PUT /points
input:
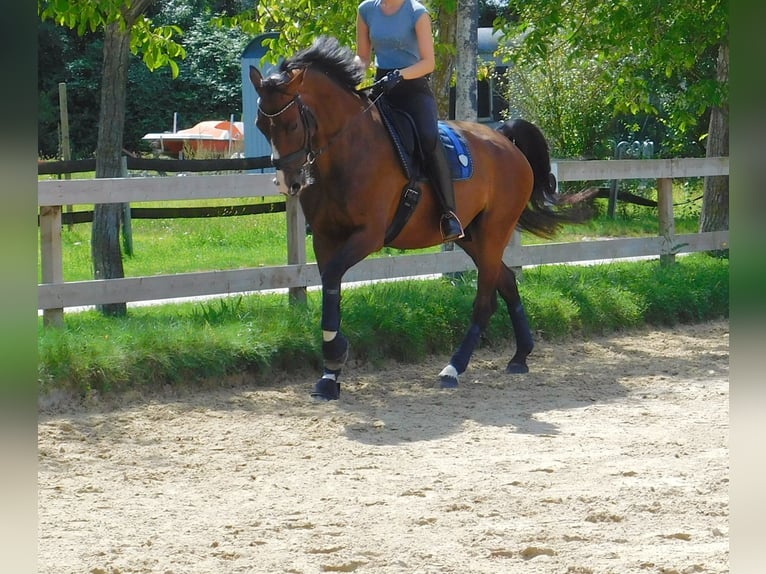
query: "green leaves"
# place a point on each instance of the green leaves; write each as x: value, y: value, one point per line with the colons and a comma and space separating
x: 298, y: 21
x: 658, y: 57
x: 155, y: 44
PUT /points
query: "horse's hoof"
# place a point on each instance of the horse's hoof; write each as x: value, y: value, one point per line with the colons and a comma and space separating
x: 448, y: 377
x: 447, y: 382
x: 516, y: 368
x: 326, y: 390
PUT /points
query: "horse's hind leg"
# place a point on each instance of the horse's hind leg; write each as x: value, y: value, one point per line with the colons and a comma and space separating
x: 484, y: 306
x: 509, y: 291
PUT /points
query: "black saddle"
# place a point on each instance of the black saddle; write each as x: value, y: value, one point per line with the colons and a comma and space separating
x: 406, y: 142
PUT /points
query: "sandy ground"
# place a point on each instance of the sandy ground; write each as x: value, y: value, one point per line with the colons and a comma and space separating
x: 610, y: 456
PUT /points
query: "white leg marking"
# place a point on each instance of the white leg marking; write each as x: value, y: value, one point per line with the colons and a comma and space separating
x: 449, y: 371
x: 329, y: 335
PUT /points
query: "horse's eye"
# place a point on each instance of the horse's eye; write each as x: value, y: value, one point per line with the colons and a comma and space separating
x: 292, y: 127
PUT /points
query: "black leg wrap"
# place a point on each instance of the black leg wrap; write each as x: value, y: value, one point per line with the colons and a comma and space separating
x: 335, y: 352
x: 524, y: 341
x: 330, y: 309
x: 463, y: 354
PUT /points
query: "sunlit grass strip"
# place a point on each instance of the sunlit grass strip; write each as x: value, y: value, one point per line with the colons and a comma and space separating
x: 261, y: 335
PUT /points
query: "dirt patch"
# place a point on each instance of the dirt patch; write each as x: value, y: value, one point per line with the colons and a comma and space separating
x: 610, y: 456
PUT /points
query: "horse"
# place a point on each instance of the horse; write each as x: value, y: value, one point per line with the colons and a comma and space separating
x: 330, y: 147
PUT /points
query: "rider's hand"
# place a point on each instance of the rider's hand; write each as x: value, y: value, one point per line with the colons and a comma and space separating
x: 390, y: 80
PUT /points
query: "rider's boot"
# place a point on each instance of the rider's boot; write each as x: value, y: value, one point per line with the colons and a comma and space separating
x: 441, y: 181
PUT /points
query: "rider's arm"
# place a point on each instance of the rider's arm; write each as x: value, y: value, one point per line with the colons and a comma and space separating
x: 427, y: 61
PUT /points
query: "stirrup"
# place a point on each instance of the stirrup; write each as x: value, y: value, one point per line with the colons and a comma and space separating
x: 450, y: 227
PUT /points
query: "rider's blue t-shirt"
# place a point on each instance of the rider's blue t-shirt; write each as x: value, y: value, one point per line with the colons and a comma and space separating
x: 393, y: 37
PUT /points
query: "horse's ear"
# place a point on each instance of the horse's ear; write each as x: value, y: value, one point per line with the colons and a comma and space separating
x: 297, y: 79
x: 255, y: 77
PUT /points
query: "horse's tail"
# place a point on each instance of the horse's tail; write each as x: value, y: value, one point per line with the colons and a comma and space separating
x: 544, y: 214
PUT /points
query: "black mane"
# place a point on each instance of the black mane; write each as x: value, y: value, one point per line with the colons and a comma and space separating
x: 329, y: 57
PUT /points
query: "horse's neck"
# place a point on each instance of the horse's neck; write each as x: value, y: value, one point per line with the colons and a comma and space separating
x: 341, y: 113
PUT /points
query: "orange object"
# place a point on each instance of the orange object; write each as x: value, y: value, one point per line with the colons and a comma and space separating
x: 220, y: 136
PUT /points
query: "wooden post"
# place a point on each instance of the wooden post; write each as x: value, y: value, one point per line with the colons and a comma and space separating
x: 515, y: 245
x: 51, y: 258
x: 667, y: 222
x: 296, y: 243
x: 127, y: 223
x: 66, y: 152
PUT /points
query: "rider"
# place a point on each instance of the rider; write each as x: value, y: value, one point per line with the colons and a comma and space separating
x: 399, y: 32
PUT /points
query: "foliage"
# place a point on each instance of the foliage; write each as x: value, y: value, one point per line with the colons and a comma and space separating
x: 207, y: 84
x: 155, y: 44
x: 656, y: 58
x: 592, y: 72
x: 298, y: 22
x: 259, y: 335
x: 566, y: 101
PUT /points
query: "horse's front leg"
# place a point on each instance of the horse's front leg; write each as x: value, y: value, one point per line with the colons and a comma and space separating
x: 334, y: 344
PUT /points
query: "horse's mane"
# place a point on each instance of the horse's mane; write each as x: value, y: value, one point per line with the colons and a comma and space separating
x: 326, y: 55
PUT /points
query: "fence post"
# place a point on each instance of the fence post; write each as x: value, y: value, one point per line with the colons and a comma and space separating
x: 667, y: 222
x: 515, y: 248
x: 296, y: 243
x: 66, y: 153
x: 127, y: 222
x: 51, y: 258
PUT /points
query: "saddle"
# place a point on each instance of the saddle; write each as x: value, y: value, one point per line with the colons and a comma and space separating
x: 406, y: 141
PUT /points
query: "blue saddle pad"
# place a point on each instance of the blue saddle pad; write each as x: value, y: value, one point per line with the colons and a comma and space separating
x: 458, y: 154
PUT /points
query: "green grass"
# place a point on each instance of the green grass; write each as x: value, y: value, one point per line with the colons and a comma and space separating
x: 262, y: 334
x: 259, y: 335
x: 170, y: 246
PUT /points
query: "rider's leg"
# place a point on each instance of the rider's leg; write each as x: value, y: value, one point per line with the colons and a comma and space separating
x: 441, y: 180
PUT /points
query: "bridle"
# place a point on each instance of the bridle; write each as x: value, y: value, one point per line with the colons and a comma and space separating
x: 306, y: 153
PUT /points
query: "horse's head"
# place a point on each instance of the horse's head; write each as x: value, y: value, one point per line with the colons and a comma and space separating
x: 285, y: 119
x: 288, y: 124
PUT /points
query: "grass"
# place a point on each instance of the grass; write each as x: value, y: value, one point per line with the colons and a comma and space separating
x: 259, y: 335
x: 168, y: 246
x: 262, y: 334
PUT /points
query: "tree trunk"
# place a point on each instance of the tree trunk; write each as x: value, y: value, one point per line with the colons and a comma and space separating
x: 715, y: 203
x: 467, y: 52
x: 105, y: 235
x: 445, y: 58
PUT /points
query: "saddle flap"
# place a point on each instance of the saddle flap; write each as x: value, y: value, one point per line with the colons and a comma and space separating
x: 401, y: 129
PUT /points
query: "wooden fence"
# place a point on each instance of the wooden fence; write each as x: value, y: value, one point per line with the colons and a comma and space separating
x: 54, y: 294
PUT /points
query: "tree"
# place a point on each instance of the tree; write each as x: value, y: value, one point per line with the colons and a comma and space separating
x: 208, y: 84
x: 466, y: 65
x: 658, y: 58
x: 565, y: 101
x: 715, y: 202
x: 300, y: 21
x: 125, y: 29
x: 445, y: 47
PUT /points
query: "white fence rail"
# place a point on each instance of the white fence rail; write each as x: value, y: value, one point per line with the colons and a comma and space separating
x: 54, y: 294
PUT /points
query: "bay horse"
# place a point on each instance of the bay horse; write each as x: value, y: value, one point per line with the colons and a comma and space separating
x: 331, y: 148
